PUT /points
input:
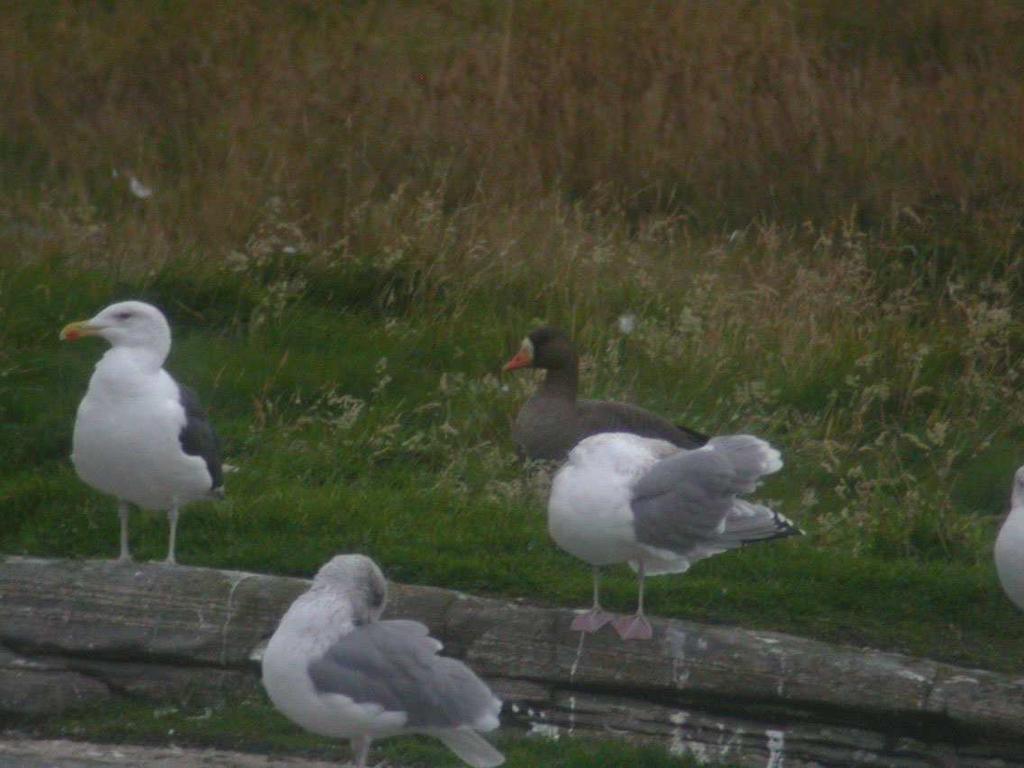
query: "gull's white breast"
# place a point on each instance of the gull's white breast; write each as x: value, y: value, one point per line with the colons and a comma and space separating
x: 126, y: 438
x: 1009, y: 556
x: 589, y: 513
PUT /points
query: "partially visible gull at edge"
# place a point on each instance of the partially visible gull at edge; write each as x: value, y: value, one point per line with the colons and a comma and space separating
x: 139, y: 435
x: 335, y: 669
x: 1009, y: 550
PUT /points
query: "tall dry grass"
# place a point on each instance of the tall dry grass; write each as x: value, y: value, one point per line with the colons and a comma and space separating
x: 908, y: 115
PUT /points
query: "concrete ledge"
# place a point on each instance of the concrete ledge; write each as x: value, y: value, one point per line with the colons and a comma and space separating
x: 78, y: 631
x: 18, y: 753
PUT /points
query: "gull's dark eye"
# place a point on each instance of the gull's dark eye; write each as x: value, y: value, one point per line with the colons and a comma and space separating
x: 123, y: 315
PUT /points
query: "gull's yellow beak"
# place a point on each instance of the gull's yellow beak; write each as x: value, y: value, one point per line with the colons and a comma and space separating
x: 77, y: 330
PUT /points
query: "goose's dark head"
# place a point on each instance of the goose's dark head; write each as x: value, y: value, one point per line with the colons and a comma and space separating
x: 548, y: 348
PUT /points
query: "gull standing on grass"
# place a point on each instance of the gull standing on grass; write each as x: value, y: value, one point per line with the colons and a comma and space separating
x: 622, y: 498
x: 139, y: 435
x: 335, y: 669
x: 1009, y: 551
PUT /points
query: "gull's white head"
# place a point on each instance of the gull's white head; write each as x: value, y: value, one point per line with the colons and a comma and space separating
x: 360, y: 580
x: 1017, y: 497
x: 126, y: 324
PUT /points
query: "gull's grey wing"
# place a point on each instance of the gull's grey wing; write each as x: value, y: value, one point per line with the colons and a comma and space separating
x: 687, y: 503
x: 197, y: 437
x: 681, y: 501
x: 395, y: 664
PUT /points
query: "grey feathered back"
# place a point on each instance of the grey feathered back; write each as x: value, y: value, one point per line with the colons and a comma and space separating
x: 596, y: 416
x: 395, y: 664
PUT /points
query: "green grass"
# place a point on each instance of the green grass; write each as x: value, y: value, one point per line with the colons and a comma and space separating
x: 387, y: 433
x: 252, y: 725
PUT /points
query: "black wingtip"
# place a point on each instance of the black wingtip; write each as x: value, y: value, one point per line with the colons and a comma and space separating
x: 786, y: 527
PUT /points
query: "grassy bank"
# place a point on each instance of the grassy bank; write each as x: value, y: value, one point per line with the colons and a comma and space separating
x: 385, y: 430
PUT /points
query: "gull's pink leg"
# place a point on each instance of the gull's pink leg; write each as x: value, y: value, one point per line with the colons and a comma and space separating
x: 122, y: 512
x: 636, y: 627
x: 595, y: 618
x: 360, y: 751
x: 172, y: 519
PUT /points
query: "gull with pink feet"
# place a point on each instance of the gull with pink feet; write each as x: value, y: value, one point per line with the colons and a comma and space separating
x: 622, y: 498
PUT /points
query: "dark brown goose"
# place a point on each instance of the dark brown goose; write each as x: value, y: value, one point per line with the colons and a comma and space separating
x: 553, y: 421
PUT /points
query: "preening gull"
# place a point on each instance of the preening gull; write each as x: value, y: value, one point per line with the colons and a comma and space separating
x: 139, y: 435
x: 335, y: 669
x: 1009, y: 551
x: 552, y: 421
x: 624, y: 498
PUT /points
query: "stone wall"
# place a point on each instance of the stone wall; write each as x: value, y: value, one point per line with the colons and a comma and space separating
x: 73, y: 632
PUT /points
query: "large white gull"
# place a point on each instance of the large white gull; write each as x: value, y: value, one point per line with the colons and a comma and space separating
x: 622, y: 498
x: 335, y: 669
x: 1009, y: 550
x: 139, y: 435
